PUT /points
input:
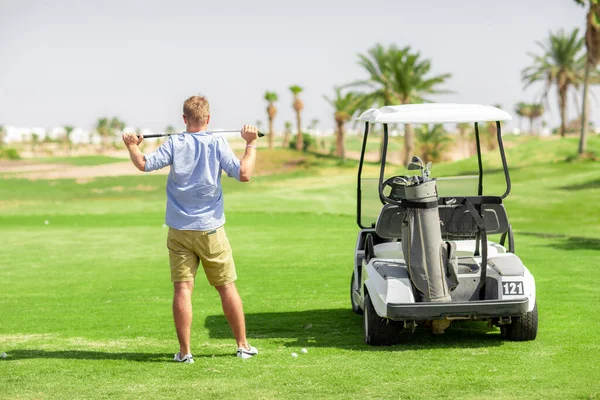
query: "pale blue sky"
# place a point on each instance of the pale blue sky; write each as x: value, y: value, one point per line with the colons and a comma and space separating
x: 71, y: 62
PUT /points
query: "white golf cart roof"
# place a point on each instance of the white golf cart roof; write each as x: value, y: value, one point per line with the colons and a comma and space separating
x: 434, y: 113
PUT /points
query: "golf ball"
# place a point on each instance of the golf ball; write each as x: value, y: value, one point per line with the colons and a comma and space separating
x: 303, y: 351
x: 3, y: 355
x: 46, y: 222
x: 294, y: 355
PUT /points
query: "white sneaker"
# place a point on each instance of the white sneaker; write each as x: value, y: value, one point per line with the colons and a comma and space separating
x: 188, y: 358
x: 246, y: 353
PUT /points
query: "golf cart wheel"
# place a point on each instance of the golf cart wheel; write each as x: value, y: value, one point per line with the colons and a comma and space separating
x: 522, y: 328
x: 379, y: 331
x: 355, y: 307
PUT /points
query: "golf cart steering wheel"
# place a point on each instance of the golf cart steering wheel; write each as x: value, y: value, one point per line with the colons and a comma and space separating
x: 397, y: 185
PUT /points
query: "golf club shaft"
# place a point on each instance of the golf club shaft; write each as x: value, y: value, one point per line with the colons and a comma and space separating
x: 155, y: 135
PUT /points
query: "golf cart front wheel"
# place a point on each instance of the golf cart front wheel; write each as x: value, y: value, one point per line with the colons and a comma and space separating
x: 522, y: 328
x: 353, y: 288
x: 379, y: 331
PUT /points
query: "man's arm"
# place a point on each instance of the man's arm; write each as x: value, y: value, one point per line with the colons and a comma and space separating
x: 250, y: 135
x: 132, y: 141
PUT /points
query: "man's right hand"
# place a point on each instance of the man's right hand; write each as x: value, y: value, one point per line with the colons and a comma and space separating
x: 250, y: 134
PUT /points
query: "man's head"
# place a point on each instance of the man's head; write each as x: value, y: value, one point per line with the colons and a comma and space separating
x: 196, y: 112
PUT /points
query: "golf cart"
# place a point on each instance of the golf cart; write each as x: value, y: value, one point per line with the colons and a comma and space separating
x: 423, y: 255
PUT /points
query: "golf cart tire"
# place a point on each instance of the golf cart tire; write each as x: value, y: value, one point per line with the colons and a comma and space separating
x: 522, y: 328
x: 379, y: 331
x: 355, y: 307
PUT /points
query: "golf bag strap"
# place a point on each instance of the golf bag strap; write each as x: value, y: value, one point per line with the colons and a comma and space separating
x: 484, y: 250
x: 418, y: 204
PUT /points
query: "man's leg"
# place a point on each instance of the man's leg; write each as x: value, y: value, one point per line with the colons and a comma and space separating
x: 234, y: 312
x: 182, y: 314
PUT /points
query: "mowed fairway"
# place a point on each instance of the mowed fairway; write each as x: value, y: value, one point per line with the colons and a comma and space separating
x: 85, y: 300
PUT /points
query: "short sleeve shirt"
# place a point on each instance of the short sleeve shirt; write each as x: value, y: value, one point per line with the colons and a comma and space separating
x: 194, y: 193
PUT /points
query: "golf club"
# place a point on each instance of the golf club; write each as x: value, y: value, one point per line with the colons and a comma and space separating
x: 428, y: 171
x: 155, y: 135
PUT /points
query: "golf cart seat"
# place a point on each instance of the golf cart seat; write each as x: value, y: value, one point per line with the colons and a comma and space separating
x: 389, y: 222
x: 389, y: 226
x: 457, y: 222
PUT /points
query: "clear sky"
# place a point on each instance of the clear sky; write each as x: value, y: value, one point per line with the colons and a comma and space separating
x: 68, y: 62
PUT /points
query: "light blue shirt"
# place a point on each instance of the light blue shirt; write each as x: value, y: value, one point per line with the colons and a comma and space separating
x: 194, y: 194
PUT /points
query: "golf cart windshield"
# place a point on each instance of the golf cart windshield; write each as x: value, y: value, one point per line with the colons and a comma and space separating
x: 449, y: 186
x: 382, y: 144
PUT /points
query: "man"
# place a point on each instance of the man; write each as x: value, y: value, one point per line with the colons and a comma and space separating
x: 195, y: 215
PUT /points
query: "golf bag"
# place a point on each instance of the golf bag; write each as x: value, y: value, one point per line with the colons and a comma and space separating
x: 431, y: 262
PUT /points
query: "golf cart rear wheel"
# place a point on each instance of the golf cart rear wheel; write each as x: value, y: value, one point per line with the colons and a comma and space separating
x: 379, y: 331
x: 522, y: 328
x: 353, y: 287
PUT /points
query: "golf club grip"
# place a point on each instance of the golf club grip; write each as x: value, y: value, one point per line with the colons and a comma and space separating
x: 155, y: 135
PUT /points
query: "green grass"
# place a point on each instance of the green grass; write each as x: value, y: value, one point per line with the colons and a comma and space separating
x: 82, y: 160
x: 86, y: 300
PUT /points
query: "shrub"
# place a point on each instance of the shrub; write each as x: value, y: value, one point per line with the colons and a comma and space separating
x: 307, y: 142
x: 9, y: 154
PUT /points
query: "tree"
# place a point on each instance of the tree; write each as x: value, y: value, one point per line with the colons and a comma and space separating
x: 116, y: 126
x: 271, y: 98
x: 103, y: 130
x: 521, y: 109
x: 560, y: 64
x: 68, y: 130
x: 465, y: 131
x: 35, y: 140
x: 536, y: 111
x: 287, y: 133
x: 298, y: 107
x: 592, y: 43
x: 433, y: 141
x: 399, y: 76
x: 463, y: 128
x: 527, y: 113
x: 344, y: 105
x: 170, y: 129
x: 2, y: 135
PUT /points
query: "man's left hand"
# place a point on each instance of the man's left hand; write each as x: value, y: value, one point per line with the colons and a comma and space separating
x: 130, y: 138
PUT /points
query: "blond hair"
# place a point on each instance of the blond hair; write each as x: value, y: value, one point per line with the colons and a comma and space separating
x: 196, y: 109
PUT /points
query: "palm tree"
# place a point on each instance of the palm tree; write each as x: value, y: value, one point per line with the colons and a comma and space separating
x: 288, y: 131
x: 103, y: 130
x: 399, y: 76
x: 560, y: 64
x: 271, y: 98
x: 537, y: 110
x: 520, y: 109
x: 592, y: 43
x: 526, y: 111
x: 298, y: 107
x: 68, y: 130
x: 116, y: 126
x: 433, y: 141
x: 464, y: 131
x: 344, y: 107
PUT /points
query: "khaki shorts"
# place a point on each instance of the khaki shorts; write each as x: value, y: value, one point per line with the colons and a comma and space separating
x: 188, y: 248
